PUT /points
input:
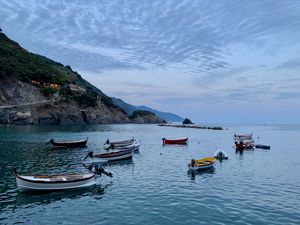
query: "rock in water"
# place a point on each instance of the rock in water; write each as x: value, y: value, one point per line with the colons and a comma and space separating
x: 187, y: 121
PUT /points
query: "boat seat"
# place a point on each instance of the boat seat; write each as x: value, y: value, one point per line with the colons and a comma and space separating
x: 57, y: 179
x: 42, y: 176
x: 74, y: 177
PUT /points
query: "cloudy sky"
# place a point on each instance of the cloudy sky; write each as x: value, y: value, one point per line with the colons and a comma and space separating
x: 212, y: 61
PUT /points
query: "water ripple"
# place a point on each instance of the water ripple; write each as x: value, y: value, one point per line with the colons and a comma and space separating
x: 154, y: 187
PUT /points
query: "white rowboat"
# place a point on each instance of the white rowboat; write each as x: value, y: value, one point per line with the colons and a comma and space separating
x: 112, y: 145
x: 118, y: 155
x: 56, y: 182
x: 134, y: 147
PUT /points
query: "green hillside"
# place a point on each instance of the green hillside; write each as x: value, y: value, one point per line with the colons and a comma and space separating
x: 18, y: 63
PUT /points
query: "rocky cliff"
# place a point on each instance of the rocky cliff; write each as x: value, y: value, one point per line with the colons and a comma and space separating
x: 140, y: 116
x: 23, y: 103
x: 38, y: 90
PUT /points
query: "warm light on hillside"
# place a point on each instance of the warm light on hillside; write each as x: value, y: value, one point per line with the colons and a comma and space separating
x: 49, y: 85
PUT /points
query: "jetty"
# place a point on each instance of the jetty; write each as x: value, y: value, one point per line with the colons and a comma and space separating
x: 189, y: 126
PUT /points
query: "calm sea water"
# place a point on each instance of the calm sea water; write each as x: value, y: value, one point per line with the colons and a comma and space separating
x: 256, y: 187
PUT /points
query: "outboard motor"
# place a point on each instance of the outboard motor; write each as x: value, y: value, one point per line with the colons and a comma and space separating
x: 220, y: 156
x: 163, y: 139
x: 193, y: 162
x: 90, y: 154
x: 100, y: 171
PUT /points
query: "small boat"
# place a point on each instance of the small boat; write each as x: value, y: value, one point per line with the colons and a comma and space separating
x: 220, y: 154
x: 243, y: 141
x: 200, y: 164
x: 57, y: 182
x: 69, y: 144
x: 175, y: 141
x: 110, y: 145
x: 135, y: 147
x: 263, y: 146
x: 118, y: 155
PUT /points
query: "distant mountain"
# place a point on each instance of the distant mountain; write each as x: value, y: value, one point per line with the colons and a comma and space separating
x: 129, y: 109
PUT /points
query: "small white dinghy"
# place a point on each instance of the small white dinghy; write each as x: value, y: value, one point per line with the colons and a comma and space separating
x: 134, y: 147
x: 57, y: 182
x: 220, y: 154
x: 117, y: 155
x: 111, y: 145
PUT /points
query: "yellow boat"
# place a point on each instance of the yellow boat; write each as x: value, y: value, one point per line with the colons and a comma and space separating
x: 203, y: 163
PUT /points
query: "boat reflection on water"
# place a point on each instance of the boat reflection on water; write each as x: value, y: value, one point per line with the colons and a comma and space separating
x: 120, y: 162
x: 95, y: 164
x: 193, y: 173
x: 32, y: 199
x: 241, y: 152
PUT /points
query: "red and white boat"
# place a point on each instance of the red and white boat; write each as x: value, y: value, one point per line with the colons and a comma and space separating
x: 182, y: 141
x: 243, y: 141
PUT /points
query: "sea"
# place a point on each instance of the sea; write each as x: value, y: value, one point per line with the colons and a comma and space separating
x: 154, y: 187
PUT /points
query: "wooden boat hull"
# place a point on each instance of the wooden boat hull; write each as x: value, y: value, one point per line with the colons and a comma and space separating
x: 201, y: 168
x: 244, y: 146
x: 71, y: 144
x: 202, y: 164
x: 119, y: 155
x: 263, y: 146
x: 56, y: 183
x: 175, y: 141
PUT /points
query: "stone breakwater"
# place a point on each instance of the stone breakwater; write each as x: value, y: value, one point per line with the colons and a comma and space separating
x: 190, y: 126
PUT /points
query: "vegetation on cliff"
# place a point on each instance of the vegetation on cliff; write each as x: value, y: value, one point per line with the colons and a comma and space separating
x: 138, y: 113
x: 142, y: 116
x: 50, y: 76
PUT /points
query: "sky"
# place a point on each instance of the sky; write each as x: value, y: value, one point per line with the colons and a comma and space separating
x: 211, y: 61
